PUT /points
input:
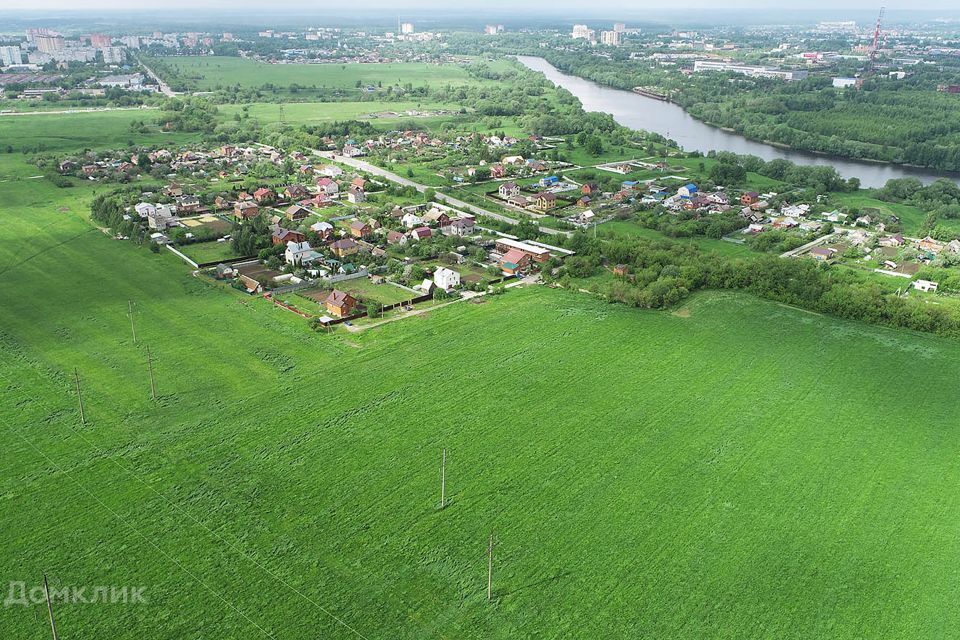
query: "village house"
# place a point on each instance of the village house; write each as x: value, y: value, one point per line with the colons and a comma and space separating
x: 546, y: 201
x: 896, y: 240
x: 188, y: 204
x: 263, y: 196
x: 538, y: 254
x: 330, y: 170
x: 245, y: 210
x: 784, y: 223
x: 822, y: 254
x: 749, y: 198
x: 513, y: 262
x: 356, y: 196
x: 446, y: 279
x: 340, y: 303
x: 162, y: 217
x: 344, y: 247
x: 360, y: 229
x: 296, y: 213
x: 282, y: 236
x: 328, y: 186
x: 687, y: 190
x: 421, y: 233
x: 295, y: 192
x: 460, y: 227
x: 931, y: 245
x: 300, y: 253
x: 395, y: 237
x: 436, y: 217
x: 925, y: 286
x: 411, y: 220
x: 549, y: 181
x: 509, y: 189
x: 322, y: 229
x: 145, y: 209
x: 590, y: 189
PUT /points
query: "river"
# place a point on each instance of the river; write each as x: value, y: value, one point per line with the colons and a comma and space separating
x: 640, y: 112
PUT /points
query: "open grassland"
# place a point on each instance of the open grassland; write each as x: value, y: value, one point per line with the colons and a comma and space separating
x: 319, y: 112
x: 734, y: 469
x: 91, y: 130
x: 205, y: 73
x: 629, y: 228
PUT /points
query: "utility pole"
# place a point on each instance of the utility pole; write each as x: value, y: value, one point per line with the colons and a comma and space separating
x: 76, y: 379
x: 153, y: 382
x: 490, y: 546
x: 46, y: 593
x: 443, y: 479
x: 133, y: 328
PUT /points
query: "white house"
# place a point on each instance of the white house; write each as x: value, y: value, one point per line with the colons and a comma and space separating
x: 299, y: 253
x: 411, y: 220
x: 163, y: 216
x: 146, y: 209
x: 925, y: 285
x: 446, y: 279
x: 331, y: 171
x: 509, y: 189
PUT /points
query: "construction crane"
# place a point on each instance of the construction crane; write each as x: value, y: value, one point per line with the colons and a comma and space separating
x: 871, y: 65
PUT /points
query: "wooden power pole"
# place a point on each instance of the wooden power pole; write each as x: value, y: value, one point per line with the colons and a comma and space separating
x: 76, y: 379
x: 46, y: 592
x: 490, y: 569
x: 443, y: 479
x: 133, y: 329
x: 153, y: 382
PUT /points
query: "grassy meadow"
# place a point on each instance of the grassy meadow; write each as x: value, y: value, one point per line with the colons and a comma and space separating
x: 90, y: 130
x: 205, y: 73
x: 735, y: 468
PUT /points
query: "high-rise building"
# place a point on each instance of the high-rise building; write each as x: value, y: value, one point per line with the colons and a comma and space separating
x: 406, y: 28
x: 583, y: 32
x: 611, y: 38
x: 49, y: 43
x: 619, y: 27
x: 99, y: 41
x: 114, y: 55
x: 10, y: 56
x: 43, y: 31
x: 131, y: 42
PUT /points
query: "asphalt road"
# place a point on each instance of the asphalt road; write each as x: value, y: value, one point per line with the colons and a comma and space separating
x: 442, y: 197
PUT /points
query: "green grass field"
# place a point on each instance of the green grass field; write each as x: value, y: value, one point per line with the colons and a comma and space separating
x: 629, y: 228
x: 76, y: 131
x: 203, y: 252
x: 209, y: 72
x: 734, y: 469
x: 316, y: 112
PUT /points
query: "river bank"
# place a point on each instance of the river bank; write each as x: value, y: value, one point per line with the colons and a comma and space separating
x: 637, y: 111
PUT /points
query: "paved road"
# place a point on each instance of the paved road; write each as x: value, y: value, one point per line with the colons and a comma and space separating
x: 63, y: 111
x: 442, y: 197
x: 164, y: 87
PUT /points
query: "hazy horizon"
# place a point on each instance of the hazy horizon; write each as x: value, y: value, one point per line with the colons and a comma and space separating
x: 635, y: 8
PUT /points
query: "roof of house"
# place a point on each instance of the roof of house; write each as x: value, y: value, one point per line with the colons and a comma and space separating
x: 344, y: 243
x: 340, y: 298
x: 359, y: 225
x: 513, y: 257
